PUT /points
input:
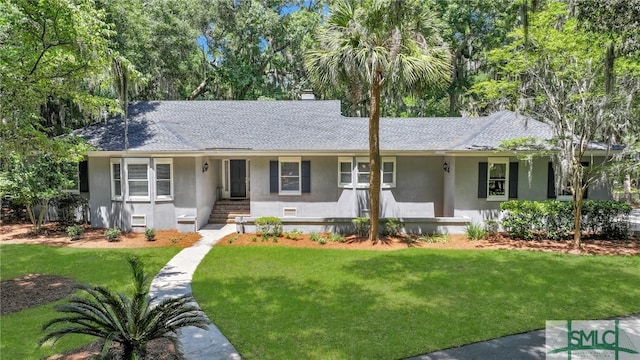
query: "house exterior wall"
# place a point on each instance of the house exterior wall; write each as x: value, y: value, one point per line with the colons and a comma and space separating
x: 417, y: 192
x: 467, y: 203
x: 206, y: 188
x: 159, y: 214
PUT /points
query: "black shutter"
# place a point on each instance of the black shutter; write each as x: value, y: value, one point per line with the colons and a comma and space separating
x: 273, y: 176
x: 306, y: 176
x: 83, y: 174
x: 482, y: 180
x: 513, y: 180
x: 551, y: 182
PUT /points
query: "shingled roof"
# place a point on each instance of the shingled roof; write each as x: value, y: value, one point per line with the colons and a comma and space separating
x: 296, y: 126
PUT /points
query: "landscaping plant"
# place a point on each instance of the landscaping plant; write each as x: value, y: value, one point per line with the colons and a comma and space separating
x: 392, y: 226
x: 75, y: 232
x: 475, y: 231
x: 112, y: 234
x: 129, y: 321
x: 269, y: 226
x: 150, y: 234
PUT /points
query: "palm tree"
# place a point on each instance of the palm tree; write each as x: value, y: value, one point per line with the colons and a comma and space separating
x: 130, y: 322
x: 376, y: 45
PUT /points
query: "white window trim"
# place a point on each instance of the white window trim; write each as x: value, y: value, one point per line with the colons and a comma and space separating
x: 156, y: 162
x: 498, y: 160
x: 137, y: 161
x: 383, y: 185
x: 113, y: 185
x: 290, y: 159
x: 356, y: 173
x: 391, y: 159
x: 345, y: 160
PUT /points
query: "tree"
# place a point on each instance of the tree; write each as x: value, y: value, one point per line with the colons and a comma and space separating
x: 130, y: 321
x: 255, y: 48
x: 376, y: 45
x: 556, y: 73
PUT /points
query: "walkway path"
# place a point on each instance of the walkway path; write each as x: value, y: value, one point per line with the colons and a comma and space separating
x: 175, y: 280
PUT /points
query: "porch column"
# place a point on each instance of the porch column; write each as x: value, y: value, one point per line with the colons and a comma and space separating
x: 449, y: 185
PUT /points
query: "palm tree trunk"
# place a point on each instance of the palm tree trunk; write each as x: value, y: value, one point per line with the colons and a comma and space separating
x: 374, y: 157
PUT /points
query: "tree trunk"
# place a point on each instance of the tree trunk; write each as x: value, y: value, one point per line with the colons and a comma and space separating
x: 578, y: 193
x: 374, y: 157
x: 627, y: 188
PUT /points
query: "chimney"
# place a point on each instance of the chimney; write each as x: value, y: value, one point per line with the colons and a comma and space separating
x: 307, y: 95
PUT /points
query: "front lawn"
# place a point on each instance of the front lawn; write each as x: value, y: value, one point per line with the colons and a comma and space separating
x: 292, y: 303
x: 20, y: 331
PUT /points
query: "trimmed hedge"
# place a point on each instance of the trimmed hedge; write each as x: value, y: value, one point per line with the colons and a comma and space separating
x: 553, y: 219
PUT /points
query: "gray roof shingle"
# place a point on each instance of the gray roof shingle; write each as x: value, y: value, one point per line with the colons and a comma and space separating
x: 296, y: 126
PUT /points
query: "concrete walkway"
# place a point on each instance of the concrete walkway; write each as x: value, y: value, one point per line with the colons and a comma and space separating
x: 175, y: 280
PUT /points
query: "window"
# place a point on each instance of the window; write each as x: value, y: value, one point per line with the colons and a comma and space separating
x: 289, y: 174
x: 498, y: 181
x: 345, y: 172
x: 164, y: 179
x: 116, y: 179
x: 387, y: 172
x: 363, y: 172
x: 138, y: 179
x: 565, y: 193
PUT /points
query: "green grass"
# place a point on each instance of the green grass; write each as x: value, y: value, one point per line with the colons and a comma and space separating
x: 290, y: 303
x: 21, y: 331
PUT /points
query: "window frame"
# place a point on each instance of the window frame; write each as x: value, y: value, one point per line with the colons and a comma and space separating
x: 383, y: 160
x: 137, y: 161
x: 342, y: 160
x: 163, y: 161
x: 282, y: 160
x: 114, y: 196
x: 388, y: 159
x: 498, y: 160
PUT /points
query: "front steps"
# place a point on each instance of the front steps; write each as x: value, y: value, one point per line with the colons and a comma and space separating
x: 225, y: 211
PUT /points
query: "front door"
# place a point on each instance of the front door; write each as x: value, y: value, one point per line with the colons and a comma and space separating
x: 238, y: 178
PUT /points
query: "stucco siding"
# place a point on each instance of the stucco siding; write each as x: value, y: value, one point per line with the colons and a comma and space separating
x: 206, y: 187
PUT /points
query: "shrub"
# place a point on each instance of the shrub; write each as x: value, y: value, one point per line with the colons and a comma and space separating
x: 314, y: 236
x: 392, y: 226
x: 67, y: 205
x: 130, y: 321
x: 362, y: 226
x: 75, y: 232
x: 523, y: 219
x: 335, y: 237
x: 434, y: 238
x: 322, y: 241
x: 112, y: 234
x: 554, y: 219
x: 293, y: 234
x: 269, y: 225
x: 491, y: 226
x: 150, y: 234
x: 475, y: 231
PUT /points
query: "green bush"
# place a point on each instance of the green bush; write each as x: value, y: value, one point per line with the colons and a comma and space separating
x: 293, y: 234
x: 523, y: 219
x: 75, y: 232
x: 269, y: 226
x: 362, y: 226
x: 335, y: 237
x: 475, y: 231
x: 392, y: 226
x: 67, y: 205
x: 112, y: 234
x: 554, y: 219
x: 150, y: 234
x: 314, y: 236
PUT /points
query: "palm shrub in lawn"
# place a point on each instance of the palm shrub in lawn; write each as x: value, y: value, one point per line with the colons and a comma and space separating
x: 130, y: 321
